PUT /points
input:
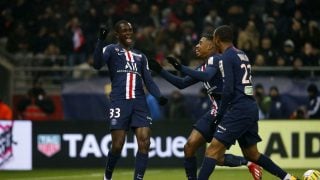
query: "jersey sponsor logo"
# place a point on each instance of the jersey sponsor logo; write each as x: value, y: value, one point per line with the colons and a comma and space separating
x: 88, y: 145
x: 131, y: 66
x: 49, y: 144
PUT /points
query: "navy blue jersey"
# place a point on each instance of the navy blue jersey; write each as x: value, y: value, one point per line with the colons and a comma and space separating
x: 128, y: 70
x: 236, y: 72
x: 213, y: 80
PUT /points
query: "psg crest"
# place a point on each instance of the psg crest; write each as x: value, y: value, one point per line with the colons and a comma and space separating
x: 49, y: 144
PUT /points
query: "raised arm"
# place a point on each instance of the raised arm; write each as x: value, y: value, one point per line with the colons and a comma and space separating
x: 99, y: 49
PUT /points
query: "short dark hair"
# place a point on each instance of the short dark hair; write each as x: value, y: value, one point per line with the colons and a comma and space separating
x: 208, y: 34
x: 224, y: 33
x: 117, y: 25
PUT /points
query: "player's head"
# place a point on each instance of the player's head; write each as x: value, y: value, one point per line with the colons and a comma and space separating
x: 205, y: 46
x: 124, y: 32
x: 312, y: 90
x: 223, y: 34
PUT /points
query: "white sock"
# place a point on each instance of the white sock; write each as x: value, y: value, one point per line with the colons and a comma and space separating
x: 287, y: 177
x: 249, y: 163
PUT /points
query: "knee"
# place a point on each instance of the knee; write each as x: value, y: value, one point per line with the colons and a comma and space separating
x: 117, y: 147
x: 188, y: 149
x: 144, y: 144
x: 215, y: 152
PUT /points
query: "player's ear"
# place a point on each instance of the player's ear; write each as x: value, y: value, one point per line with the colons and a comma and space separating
x: 210, y: 45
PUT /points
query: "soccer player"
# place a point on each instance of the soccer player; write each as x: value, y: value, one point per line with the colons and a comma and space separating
x: 202, y: 132
x: 128, y: 107
x: 238, y: 112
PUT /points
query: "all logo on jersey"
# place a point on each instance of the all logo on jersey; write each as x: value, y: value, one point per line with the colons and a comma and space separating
x: 49, y: 144
x: 131, y: 66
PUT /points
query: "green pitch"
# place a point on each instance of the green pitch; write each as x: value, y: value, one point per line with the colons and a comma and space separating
x: 126, y: 174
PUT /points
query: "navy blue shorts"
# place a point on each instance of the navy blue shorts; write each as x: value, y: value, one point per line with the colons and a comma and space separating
x: 239, y: 123
x: 125, y: 114
x: 204, y: 126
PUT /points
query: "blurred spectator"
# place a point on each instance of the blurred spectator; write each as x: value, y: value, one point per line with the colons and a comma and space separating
x: 296, y: 34
x: 267, y: 51
x: 5, y: 111
x: 270, y: 30
x: 288, y: 53
x: 263, y: 101
x: 77, y: 55
x: 213, y: 19
x: 309, y: 55
x: 259, y: 60
x: 36, y: 105
x: 314, y: 102
x: 278, y: 108
x: 297, y: 64
x: 18, y: 40
x: 249, y: 35
x: 172, y: 26
x: 177, y: 108
x: 313, y: 33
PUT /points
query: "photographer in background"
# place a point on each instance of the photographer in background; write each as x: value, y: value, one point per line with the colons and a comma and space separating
x: 36, y: 106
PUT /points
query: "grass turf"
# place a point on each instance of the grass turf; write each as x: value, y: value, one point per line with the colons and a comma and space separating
x: 125, y: 174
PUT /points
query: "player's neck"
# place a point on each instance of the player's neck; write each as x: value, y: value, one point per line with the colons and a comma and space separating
x: 125, y: 47
x: 225, y: 46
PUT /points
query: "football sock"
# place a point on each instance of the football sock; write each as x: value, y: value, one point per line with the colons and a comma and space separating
x: 270, y: 166
x: 140, y: 165
x: 190, y: 166
x: 234, y: 161
x: 111, y: 163
x: 207, y: 168
x: 288, y: 176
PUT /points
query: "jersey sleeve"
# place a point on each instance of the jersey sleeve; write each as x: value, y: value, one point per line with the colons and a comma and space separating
x: 206, y: 75
x: 228, y: 85
x: 147, y: 78
x: 178, y: 82
x: 101, y: 54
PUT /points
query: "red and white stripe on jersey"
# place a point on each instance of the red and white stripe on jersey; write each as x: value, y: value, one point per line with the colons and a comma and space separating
x: 131, y: 79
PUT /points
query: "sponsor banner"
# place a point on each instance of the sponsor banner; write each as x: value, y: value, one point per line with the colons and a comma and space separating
x: 15, y: 145
x: 291, y: 144
x: 86, y: 144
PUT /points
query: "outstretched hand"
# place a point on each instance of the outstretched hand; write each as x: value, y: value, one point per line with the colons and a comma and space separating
x: 174, y: 62
x: 103, y: 32
x: 155, y: 66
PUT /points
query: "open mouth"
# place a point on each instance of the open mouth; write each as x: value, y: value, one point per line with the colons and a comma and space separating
x: 129, y: 39
x: 197, y: 51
